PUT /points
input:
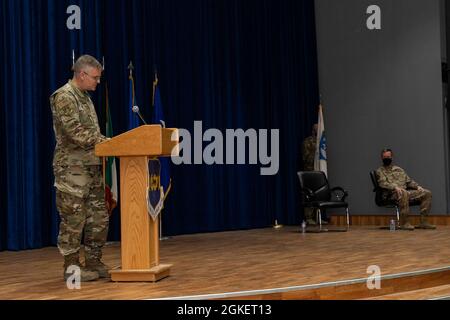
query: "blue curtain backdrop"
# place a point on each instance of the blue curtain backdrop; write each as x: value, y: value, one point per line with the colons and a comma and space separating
x: 230, y: 63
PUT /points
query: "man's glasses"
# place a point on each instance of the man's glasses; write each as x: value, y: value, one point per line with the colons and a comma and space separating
x: 97, y: 79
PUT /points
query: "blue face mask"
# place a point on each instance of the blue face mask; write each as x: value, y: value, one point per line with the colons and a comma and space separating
x: 387, y: 161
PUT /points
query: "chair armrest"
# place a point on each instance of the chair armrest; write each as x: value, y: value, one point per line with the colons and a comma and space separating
x: 309, y: 194
x: 341, y: 197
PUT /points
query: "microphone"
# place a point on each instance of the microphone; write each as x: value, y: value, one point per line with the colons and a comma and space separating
x: 136, y: 110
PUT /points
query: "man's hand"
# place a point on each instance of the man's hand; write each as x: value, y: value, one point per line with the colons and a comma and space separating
x: 110, y: 206
x: 399, y: 191
x: 109, y: 201
x: 419, y: 188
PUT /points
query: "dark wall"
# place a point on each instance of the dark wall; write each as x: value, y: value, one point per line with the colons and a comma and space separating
x: 382, y: 88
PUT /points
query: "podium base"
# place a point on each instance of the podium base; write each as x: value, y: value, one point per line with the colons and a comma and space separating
x: 141, y: 275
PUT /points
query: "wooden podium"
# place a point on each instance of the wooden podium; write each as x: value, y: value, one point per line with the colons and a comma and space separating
x: 140, y: 234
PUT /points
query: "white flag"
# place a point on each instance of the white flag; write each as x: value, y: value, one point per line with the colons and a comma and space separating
x: 320, y: 159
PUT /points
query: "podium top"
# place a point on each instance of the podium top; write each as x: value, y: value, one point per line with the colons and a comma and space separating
x: 146, y: 140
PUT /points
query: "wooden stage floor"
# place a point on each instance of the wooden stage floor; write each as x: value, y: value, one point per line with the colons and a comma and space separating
x: 227, y: 262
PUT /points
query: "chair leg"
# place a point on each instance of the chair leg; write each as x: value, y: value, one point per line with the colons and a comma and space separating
x: 398, y: 216
x: 319, y: 214
x: 348, y: 218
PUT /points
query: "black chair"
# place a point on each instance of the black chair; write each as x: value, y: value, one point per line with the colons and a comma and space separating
x: 383, y: 202
x: 316, y: 193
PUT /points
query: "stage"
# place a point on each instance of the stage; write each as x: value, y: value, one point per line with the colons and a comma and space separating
x: 256, y: 264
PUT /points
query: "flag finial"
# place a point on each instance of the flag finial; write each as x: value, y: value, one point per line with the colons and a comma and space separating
x: 131, y: 68
x: 155, y: 83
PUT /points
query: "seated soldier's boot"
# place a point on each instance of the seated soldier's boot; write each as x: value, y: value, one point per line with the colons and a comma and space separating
x: 98, y: 266
x: 310, y: 222
x: 405, y: 225
x: 73, y: 260
x: 424, y: 224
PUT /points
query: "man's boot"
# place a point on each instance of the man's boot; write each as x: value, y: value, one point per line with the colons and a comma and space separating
x: 309, y: 216
x: 405, y: 225
x: 424, y: 224
x: 73, y: 260
x: 95, y: 264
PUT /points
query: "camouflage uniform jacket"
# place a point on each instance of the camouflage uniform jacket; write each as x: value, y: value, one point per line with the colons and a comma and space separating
x: 76, y: 127
x: 309, y: 151
x: 392, y: 176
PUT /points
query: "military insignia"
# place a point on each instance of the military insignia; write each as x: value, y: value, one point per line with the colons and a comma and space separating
x: 323, y: 147
x: 155, y: 192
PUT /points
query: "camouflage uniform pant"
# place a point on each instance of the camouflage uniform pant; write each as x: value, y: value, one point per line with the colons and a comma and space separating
x: 310, y: 214
x: 80, y: 200
x: 406, y: 196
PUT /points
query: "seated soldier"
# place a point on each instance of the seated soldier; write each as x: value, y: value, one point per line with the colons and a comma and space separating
x: 401, y: 188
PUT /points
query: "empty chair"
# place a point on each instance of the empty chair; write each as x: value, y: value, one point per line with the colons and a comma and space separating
x: 316, y: 193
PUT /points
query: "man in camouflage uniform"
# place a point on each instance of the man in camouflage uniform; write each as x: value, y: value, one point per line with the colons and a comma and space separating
x: 308, y: 154
x: 401, y: 188
x: 309, y: 150
x: 80, y: 195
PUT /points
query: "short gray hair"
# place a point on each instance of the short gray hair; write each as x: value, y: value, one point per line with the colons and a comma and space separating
x: 84, y: 61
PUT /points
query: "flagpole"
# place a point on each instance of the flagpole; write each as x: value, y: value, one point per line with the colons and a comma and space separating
x: 161, y: 238
x: 155, y: 83
x: 166, y: 192
x: 131, y: 68
x: 104, y: 172
x: 104, y: 158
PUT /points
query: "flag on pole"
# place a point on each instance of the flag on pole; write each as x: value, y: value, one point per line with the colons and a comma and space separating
x: 111, y: 193
x: 158, y: 118
x: 133, y: 120
x: 320, y: 159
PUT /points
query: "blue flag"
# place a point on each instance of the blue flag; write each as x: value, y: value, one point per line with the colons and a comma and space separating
x: 158, y: 118
x: 133, y: 118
